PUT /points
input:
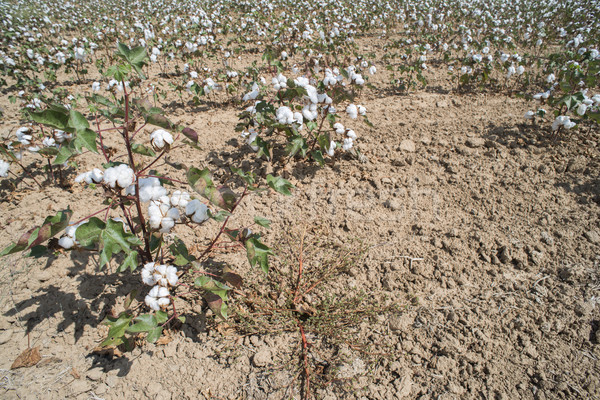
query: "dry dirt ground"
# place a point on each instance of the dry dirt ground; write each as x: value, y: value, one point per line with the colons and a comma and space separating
x: 483, y: 231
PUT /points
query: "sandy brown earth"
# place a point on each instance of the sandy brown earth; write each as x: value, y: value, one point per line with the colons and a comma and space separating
x: 485, y: 233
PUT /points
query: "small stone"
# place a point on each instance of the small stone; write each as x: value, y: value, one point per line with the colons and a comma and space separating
x: 475, y: 142
x: 400, y: 323
x: 153, y: 388
x: 112, y: 381
x: 592, y: 236
x: 504, y: 255
x: 95, y: 374
x: 80, y: 386
x: 408, y: 146
x: 262, y: 358
x: 441, y: 104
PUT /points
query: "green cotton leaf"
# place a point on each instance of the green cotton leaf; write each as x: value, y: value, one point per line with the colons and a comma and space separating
x: 263, y: 148
x: 143, y: 150
x: 131, y: 262
x: 211, y: 285
x: 64, y: 153
x: 180, y: 251
x: 35, y: 236
x: 154, y: 334
x: 324, y: 141
x: 258, y: 253
x: 77, y: 121
x: 219, y: 216
x: 136, y: 57
x: 201, y: 182
x: 130, y: 297
x: 85, y: 138
x: 114, y: 239
x: 265, y: 223
x: 311, y: 126
x: 48, y: 151
x: 144, y: 323
x: 117, y: 328
x: 317, y: 155
x: 159, y: 120
x: 52, y: 118
x: 161, y: 317
x: 279, y: 184
x: 297, y: 144
x: 88, y: 234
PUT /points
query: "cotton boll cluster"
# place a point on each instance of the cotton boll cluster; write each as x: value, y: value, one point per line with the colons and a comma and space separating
x: 161, y: 215
x: 160, y: 277
x: 121, y: 175
x: 94, y: 176
x: 149, y: 188
x: 564, y: 121
x: 159, y: 138
x: 279, y: 82
x: 23, y: 135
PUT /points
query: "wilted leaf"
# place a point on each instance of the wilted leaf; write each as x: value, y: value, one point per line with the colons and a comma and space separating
x: 202, y: 183
x: 28, y: 358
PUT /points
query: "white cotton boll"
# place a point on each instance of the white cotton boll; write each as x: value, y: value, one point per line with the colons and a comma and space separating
x: 311, y: 94
x: 152, y: 302
x: 160, y: 137
x: 352, y: 111
x: 95, y: 86
x: 120, y: 175
x: 4, y: 166
x: 33, y: 149
x: 66, y: 242
x: 351, y: 134
x: 310, y: 112
x: 347, y: 145
x: 171, y: 275
x: 179, y: 198
x: 581, y: 108
x: 520, y: 70
x: 163, y: 302
x: 339, y: 128
x: 301, y: 81
x: 362, y: 110
x: 284, y: 115
x: 148, y: 276
x: 529, y: 115
x: 330, y: 150
x: 23, y: 135
x: 197, y: 211
x: 163, y: 291
x: 551, y: 78
x: 298, y: 118
x: 372, y: 70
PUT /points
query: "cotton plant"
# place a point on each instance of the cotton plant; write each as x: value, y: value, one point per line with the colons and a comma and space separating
x: 304, y: 112
x: 139, y: 220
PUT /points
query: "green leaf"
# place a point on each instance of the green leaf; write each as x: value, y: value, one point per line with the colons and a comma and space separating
x: 143, y: 150
x: 64, y: 153
x: 114, y: 239
x: 258, y: 252
x: 279, y: 184
x: 180, y: 252
x: 201, y: 182
x: 118, y: 327
x: 144, y: 323
x: 318, y: 157
x: 85, y: 138
x: 131, y: 262
x: 297, y: 144
x: 52, y: 118
x: 262, y: 222
x: 88, y: 234
x: 36, y: 236
x: 77, y: 120
x: 161, y: 317
x: 154, y: 334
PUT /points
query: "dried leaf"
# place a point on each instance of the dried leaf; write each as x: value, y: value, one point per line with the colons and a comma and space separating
x: 28, y: 358
x: 164, y: 339
x: 74, y: 373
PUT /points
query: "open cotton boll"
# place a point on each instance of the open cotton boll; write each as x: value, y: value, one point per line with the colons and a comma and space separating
x: 352, y: 111
x: 310, y: 112
x: 529, y: 115
x: 95, y: 86
x: 311, y: 94
x: 362, y: 110
x: 148, y: 274
x: 4, y: 166
x: 372, y: 70
x: 121, y: 176
x: 339, y: 128
x: 347, y: 145
x: 284, y: 115
x: 180, y: 199
x: 94, y: 176
x: 150, y: 189
x: 197, y: 211
x: 23, y: 135
x: 351, y: 134
x: 331, y: 149
x: 157, y: 298
x: 66, y: 242
x: 160, y: 137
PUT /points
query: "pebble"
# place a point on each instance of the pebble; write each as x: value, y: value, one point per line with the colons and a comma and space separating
x: 592, y: 236
x: 262, y: 358
x: 546, y: 238
x: 80, y: 386
x: 475, y: 142
x: 95, y: 374
x: 408, y: 146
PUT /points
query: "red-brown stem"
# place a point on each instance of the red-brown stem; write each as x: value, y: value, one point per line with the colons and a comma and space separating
x: 153, y: 162
x: 305, y: 359
x: 300, y: 265
x: 100, y: 137
x: 139, y: 129
x: 148, y: 254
